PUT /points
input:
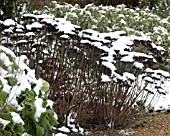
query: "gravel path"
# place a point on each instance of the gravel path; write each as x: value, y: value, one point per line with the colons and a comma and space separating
x: 155, y: 124
x: 158, y: 125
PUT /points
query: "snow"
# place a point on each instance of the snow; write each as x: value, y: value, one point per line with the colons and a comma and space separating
x: 4, y: 122
x: 19, y: 26
x: 39, y: 43
x: 28, y: 34
x: 29, y: 16
x: 149, y: 79
x: 23, y: 79
x: 119, y: 45
x: 9, y: 31
x: 21, y: 41
x: 5, y: 59
x: 75, y: 130
x: 50, y: 103
x: 100, y: 46
x: 49, y: 21
x: 16, y: 118
x: 140, y: 54
x: 140, y: 38
x: 129, y: 76
x: 1, y: 22
x: 3, y: 72
x: 122, y: 21
x: 156, y: 76
x: 159, y: 48
x: 9, y: 22
x: 162, y: 103
x: 66, y: 28
x: 109, y: 65
x: 45, y: 52
x: 128, y: 58
x: 64, y: 36
x: 138, y: 65
x: 1, y: 12
x: 71, y: 125
x: 85, y: 42
x: 149, y: 70
x: 163, y: 73
x: 64, y: 129
x: 105, y: 78
x: 55, y: 116
x: 39, y: 109
x: 7, y: 51
x: 19, y: 30
x: 34, y: 25
x: 15, y: 91
x: 25, y: 134
x: 45, y: 16
x: 81, y: 130
x: 60, y: 134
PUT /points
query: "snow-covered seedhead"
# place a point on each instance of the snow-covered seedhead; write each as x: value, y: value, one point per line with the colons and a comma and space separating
x: 24, y: 105
x: 109, y: 19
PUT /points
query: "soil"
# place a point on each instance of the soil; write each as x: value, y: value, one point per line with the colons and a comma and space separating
x: 158, y: 125
x: 154, y: 124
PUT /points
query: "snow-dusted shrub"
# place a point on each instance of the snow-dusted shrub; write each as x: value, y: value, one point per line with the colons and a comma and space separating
x: 107, y: 19
x: 82, y: 3
x: 101, y: 75
x: 11, y: 8
x: 161, y: 8
x: 24, y: 107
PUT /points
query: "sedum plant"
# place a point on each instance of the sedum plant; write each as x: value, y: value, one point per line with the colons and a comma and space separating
x: 161, y: 8
x: 93, y: 75
x: 141, y: 22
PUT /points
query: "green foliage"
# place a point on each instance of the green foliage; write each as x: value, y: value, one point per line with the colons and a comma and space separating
x: 159, y: 7
x: 27, y: 122
x: 82, y: 3
x: 7, y: 7
x: 11, y: 8
x: 11, y: 128
x: 45, y: 86
x: 3, y: 97
x: 11, y: 80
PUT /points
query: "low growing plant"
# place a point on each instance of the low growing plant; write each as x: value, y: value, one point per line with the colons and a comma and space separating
x: 24, y: 105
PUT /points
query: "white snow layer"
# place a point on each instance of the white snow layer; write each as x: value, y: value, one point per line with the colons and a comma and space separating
x: 105, y: 78
x: 9, y: 22
x: 16, y: 118
x: 60, y: 134
x: 64, y: 129
x: 39, y: 109
x: 4, y: 122
x: 138, y: 65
